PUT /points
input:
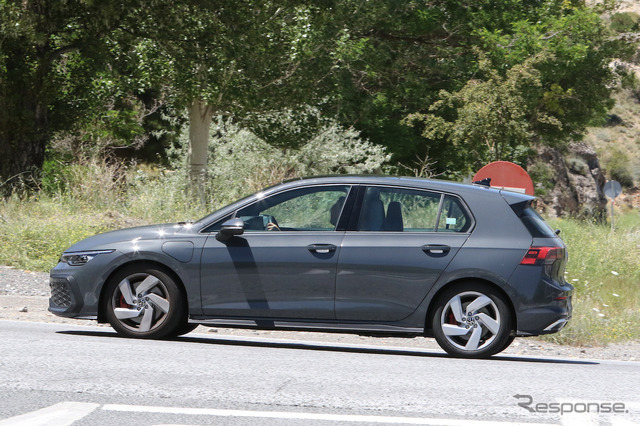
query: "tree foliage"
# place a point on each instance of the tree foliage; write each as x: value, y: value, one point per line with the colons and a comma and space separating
x: 461, y: 82
x: 253, y: 56
x: 58, y: 73
x: 485, y: 120
x: 479, y: 80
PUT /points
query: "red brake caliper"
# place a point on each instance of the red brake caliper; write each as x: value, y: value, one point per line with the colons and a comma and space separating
x: 122, y: 303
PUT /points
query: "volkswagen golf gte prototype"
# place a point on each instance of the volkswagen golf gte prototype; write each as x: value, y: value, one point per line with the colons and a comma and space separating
x: 469, y: 265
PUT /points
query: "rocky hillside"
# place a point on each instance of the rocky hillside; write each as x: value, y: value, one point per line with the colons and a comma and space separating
x: 570, y: 183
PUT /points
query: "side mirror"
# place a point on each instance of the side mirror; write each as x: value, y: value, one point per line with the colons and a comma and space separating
x: 229, y: 229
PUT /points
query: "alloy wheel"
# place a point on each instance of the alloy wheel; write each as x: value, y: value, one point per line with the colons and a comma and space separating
x: 470, y: 321
x: 141, y: 302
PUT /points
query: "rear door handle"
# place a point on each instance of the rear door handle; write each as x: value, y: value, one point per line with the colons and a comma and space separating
x: 436, y: 248
x: 321, y: 248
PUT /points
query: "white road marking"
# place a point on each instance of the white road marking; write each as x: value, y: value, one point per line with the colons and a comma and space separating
x: 286, y: 415
x: 66, y: 413
x: 61, y: 414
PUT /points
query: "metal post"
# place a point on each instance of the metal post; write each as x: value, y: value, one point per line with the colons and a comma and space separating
x: 612, y: 203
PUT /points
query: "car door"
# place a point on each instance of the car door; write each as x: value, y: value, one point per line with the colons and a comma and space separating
x: 402, y: 242
x: 284, y: 264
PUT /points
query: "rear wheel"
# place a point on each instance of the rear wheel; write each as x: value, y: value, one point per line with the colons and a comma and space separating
x: 145, y: 302
x: 472, y: 320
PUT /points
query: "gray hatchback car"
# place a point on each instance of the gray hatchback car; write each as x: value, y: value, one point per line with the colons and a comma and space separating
x: 470, y: 265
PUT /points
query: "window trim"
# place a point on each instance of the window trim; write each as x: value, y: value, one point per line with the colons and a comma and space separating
x: 361, y: 190
x: 346, y: 207
x: 463, y: 207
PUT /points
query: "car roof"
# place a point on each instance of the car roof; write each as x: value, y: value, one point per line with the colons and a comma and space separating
x: 417, y: 182
x: 373, y: 179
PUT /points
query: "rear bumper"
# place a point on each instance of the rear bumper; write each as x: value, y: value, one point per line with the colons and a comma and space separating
x: 542, y: 321
x: 549, y: 318
x: 542, y: 304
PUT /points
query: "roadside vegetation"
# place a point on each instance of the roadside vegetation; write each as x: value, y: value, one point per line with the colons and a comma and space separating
x: 603, y: 267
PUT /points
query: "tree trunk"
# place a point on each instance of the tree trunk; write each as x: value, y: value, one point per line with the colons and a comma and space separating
x: 21, y: 159
x: 199, y: 125
x: 24, y: 127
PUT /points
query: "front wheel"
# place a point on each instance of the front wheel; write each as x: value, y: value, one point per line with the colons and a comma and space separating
x: 471, y: 321
x: 142, y: 301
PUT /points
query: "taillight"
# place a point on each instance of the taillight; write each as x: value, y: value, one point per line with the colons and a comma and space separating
x: 542, y: 255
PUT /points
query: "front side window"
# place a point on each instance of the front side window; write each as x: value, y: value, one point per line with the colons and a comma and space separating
x: 304, y: 209
x: 399, y: 210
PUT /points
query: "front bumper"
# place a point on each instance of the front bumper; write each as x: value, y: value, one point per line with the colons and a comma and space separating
x: 68, y: 298
x: 65, y: 300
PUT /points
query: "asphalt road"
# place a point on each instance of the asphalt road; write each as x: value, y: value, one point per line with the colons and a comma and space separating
x: 61, y: 374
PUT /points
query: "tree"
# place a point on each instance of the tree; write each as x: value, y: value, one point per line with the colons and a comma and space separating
x: 62, y: 62
x: 500, y: 74
x: 486, y: 120
x: 232, y: 61
x: 37, y: 41
x: 494, y: 73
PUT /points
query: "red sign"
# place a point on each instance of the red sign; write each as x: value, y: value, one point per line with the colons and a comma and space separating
x: 507, y: 175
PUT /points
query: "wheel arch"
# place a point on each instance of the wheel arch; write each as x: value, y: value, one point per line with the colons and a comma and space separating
x: 459, y: 281
x: 102, y: 317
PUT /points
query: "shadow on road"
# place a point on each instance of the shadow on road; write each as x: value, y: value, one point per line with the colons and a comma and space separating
x: 328, y: 347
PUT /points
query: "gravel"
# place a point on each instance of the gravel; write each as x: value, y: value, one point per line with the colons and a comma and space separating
x: 14, y: 282
x: 24, y: 296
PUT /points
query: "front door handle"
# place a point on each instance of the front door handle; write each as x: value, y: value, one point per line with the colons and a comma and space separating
x: 321, y: 248
x: 436, y: 249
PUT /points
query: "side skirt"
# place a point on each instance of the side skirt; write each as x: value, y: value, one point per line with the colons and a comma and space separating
x: 326, y: 327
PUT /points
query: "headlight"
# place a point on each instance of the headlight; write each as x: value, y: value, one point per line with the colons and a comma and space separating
x: 80, y: 258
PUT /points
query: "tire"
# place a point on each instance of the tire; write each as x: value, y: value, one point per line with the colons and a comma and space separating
x: 185, y: 328
x: 507, y: 343
x: 144, y: 302
x: 482, y: 334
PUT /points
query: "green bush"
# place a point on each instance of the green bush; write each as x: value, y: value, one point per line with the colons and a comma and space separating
x: 578, y: 165
x: 542, y: 174
x: 237, y: 155
x: 618, y: 167
x: 625, y: 22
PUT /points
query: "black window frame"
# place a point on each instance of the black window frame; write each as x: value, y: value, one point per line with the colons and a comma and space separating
x: 359, y: 200
x: 340, y: 226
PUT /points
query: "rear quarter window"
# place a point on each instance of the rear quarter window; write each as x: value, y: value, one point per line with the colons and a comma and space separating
x: 453, y: 217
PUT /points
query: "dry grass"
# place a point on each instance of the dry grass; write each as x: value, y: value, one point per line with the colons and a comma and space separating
x: 603, y: 267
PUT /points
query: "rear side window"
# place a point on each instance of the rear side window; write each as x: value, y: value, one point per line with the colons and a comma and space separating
x: 536, y: 225
x: 399, y: 210
x: 411, y: 210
